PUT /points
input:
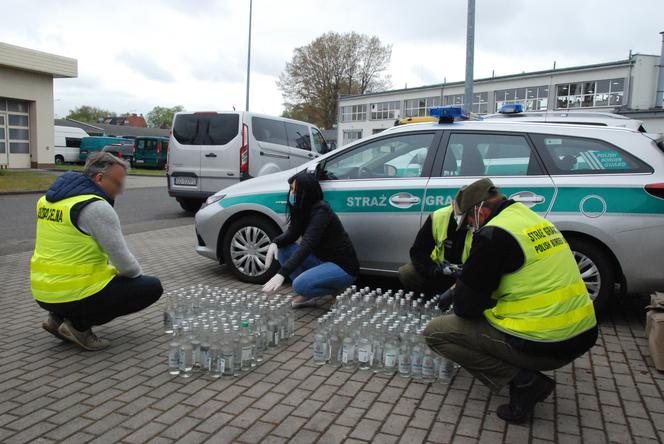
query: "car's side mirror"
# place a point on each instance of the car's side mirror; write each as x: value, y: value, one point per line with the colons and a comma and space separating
x: 390, y: 170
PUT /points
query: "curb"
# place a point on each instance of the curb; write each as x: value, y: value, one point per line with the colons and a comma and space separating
x: 14, y: 193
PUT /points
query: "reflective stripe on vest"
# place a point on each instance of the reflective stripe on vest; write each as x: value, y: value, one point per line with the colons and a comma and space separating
x: 546, y: 299
x: 67, y: 264
x: 440, y: 221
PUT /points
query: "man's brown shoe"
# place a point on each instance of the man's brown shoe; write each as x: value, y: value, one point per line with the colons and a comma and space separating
x: 51, y: 325
x: 86, y: 339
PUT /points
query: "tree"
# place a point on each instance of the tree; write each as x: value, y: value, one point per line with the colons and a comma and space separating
x: 89, y: 114
x: 332, y: 65
x: 162, y: 117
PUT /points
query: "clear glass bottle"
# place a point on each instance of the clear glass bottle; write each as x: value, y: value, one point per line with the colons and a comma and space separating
x: 320, y: 350
x: 391, y: 352
x: 215, y: 366
x: 416, y: 354
x: 204, y: 355
x: 174, y: 354
x: 246, y: 348
x: 227, y: 359
x: 348, y: 347
x: 364, y: 347
x: 378, y: 347
x: 186, y: 352
x: 428, y: 365
x: 404, y: 354
x: 334, y: 344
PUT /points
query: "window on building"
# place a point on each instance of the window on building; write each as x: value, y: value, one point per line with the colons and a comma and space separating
x: 590, y: 94
x: 480, y: 102
x: 533, y: 98
x: 353, y: 113
x: 420, y: 107
x: 454, y: 99
x: 384, y: 110
x: 351, y: 136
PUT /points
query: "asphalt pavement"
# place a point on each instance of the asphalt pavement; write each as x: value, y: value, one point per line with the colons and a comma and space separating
x: 144, y: 206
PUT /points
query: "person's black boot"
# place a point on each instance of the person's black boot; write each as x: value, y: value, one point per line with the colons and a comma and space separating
x: 524, y: 396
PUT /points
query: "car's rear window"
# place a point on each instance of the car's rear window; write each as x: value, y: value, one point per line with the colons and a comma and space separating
x: 206, y: 129
x: 578, y: 155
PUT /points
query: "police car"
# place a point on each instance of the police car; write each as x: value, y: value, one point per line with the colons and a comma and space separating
x: 602, y: 186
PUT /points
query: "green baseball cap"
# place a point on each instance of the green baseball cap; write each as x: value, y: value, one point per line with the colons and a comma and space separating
x: 470, y: 195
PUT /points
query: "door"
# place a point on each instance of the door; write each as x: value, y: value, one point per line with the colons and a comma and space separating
x: 220, y: 151
x: 269, y: 151
x: 509, y: 159
x: 4, y: 159
x: 299, y: 141
x: 377, y: 189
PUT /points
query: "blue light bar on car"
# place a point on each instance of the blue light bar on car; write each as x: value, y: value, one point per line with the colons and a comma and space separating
x: 448, y: 113
x: 512, y: 108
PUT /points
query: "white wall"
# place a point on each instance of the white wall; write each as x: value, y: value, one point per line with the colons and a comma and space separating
x: 38, y: 89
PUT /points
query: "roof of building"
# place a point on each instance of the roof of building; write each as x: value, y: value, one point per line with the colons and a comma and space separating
x: 617, y: 63
x: 99, y: 129
x: 26, y: 59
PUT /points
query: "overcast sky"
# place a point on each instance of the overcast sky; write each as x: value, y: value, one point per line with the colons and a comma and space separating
x: 133, y: 55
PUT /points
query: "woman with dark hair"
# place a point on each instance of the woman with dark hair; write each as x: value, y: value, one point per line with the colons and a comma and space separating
x: 324, y: 262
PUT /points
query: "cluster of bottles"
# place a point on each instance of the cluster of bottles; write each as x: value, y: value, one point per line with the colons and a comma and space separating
x: 222, y: 332
x: 381, y: 332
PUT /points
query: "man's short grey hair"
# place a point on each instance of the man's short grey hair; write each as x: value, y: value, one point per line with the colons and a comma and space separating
x: 101, y: 162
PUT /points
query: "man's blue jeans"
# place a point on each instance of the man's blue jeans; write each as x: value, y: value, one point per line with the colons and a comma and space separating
x: 314, y: 277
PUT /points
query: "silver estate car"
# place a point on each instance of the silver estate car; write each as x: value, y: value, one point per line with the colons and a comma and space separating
x: 603, y: 187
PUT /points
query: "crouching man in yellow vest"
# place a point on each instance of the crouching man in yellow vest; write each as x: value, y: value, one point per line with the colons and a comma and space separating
x: 520, y: 304
x: 78, y: 232
x: 438, y: 243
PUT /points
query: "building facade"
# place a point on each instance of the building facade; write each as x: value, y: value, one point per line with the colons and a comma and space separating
x: 26, y: 105
x: 625, y: 86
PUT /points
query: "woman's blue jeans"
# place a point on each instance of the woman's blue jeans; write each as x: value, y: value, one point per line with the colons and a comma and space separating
x: 314, y: 277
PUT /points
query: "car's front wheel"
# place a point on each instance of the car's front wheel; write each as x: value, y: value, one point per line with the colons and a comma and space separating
x: 244, y: 249
x: 597, y: 270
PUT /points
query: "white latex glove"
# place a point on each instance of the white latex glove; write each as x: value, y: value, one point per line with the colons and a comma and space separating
x: 274, y: 284
x: 271, y: 255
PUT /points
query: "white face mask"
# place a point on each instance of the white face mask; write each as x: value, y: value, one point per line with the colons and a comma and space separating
x: 476, y: 224
x: 458, y: 219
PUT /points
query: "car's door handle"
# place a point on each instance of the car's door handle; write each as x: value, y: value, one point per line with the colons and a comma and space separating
x: 404, y: 200
x: 210, y: 155
x: 310, y: 155
x: 527, y: 198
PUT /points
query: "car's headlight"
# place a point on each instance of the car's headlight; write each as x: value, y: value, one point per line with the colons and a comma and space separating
x: 213, y: 199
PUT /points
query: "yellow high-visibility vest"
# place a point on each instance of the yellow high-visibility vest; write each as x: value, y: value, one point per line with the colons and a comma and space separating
x: 67, y: 264
x: 440, y: 221
x: 546, y: 299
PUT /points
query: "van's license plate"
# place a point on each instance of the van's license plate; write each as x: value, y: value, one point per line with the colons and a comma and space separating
x: 185, y: 180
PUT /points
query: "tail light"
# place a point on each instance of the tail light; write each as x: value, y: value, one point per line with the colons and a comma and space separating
x: 159, y: 148
x: 656, y: 189
x: 120, y: 154
x: 244, y: 150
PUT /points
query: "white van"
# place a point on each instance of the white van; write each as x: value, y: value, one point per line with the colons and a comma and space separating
x: 209, y: 151
x: 68, y: 143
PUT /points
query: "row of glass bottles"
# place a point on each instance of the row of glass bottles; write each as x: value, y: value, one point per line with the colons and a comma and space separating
x: 382, y: 332
x: 222, y: 332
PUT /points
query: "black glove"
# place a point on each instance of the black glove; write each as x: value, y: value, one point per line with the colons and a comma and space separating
x: 449, y: 269
x: 446, y: 300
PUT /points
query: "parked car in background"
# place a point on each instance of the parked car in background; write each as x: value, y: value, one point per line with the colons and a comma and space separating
x: 97, y: 143
x: 209, y: 151
x: 68, y: 144
x: 151, y: 152
x: 602, y: 186
x: 122, y: 150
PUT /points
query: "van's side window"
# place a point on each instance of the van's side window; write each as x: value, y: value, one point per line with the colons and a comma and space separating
x: 72, y: 142
x: 474, y: 155
x: 298, y: 136
x: 577, y: 155
x: 319, y: 142
x: 269, y: 130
